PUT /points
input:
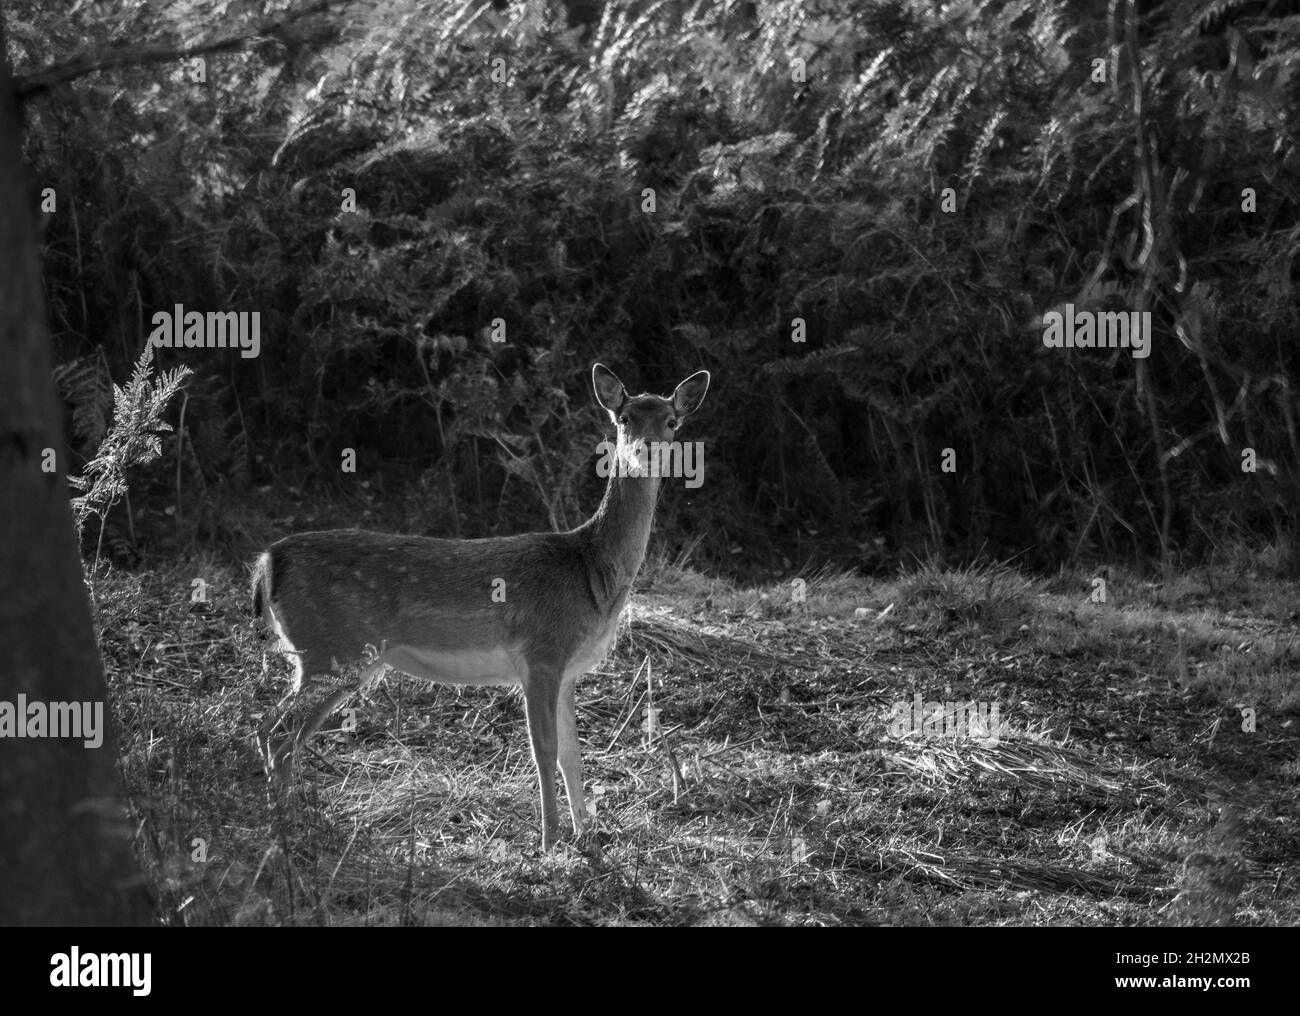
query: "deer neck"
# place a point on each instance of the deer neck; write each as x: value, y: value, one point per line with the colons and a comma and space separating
x: 618, y: 535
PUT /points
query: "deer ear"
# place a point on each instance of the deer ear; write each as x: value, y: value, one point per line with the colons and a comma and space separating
x: 690, y: 393
x: 610, y: 392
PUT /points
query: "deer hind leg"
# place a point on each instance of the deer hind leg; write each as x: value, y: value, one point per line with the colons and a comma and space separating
x: 291, y: 744
x: 271, y: 723
x: 283, y: 710
x: 570, y: 757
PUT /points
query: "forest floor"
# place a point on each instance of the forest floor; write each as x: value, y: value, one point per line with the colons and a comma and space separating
x: 1144, y: 769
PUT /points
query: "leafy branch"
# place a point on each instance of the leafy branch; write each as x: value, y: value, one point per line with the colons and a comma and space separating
x: 133, y: 439
x: 28, y: 85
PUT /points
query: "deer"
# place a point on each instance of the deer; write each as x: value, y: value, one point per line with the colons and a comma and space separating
x: 534, y: 611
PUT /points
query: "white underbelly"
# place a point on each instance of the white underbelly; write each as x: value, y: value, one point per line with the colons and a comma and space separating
x: 465, y: 666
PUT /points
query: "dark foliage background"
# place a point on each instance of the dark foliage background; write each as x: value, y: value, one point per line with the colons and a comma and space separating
x: 500, y: 154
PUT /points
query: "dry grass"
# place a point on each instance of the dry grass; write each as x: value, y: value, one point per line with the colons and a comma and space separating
x: 775, y: 793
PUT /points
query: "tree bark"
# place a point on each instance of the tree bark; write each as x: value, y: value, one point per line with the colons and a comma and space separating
x: 65, y: 841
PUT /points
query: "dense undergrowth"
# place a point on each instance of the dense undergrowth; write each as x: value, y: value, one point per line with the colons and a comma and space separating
x: 853, y: 213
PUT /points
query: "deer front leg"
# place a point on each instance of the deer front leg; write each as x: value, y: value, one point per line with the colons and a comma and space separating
x: 571, y: 757
x: 541, y: 690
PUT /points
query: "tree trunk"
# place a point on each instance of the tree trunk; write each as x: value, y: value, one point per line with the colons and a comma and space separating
x: 65, y: 842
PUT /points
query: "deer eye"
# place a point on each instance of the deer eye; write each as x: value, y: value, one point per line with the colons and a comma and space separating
x: 622, y: 420
x: 673, y: 422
